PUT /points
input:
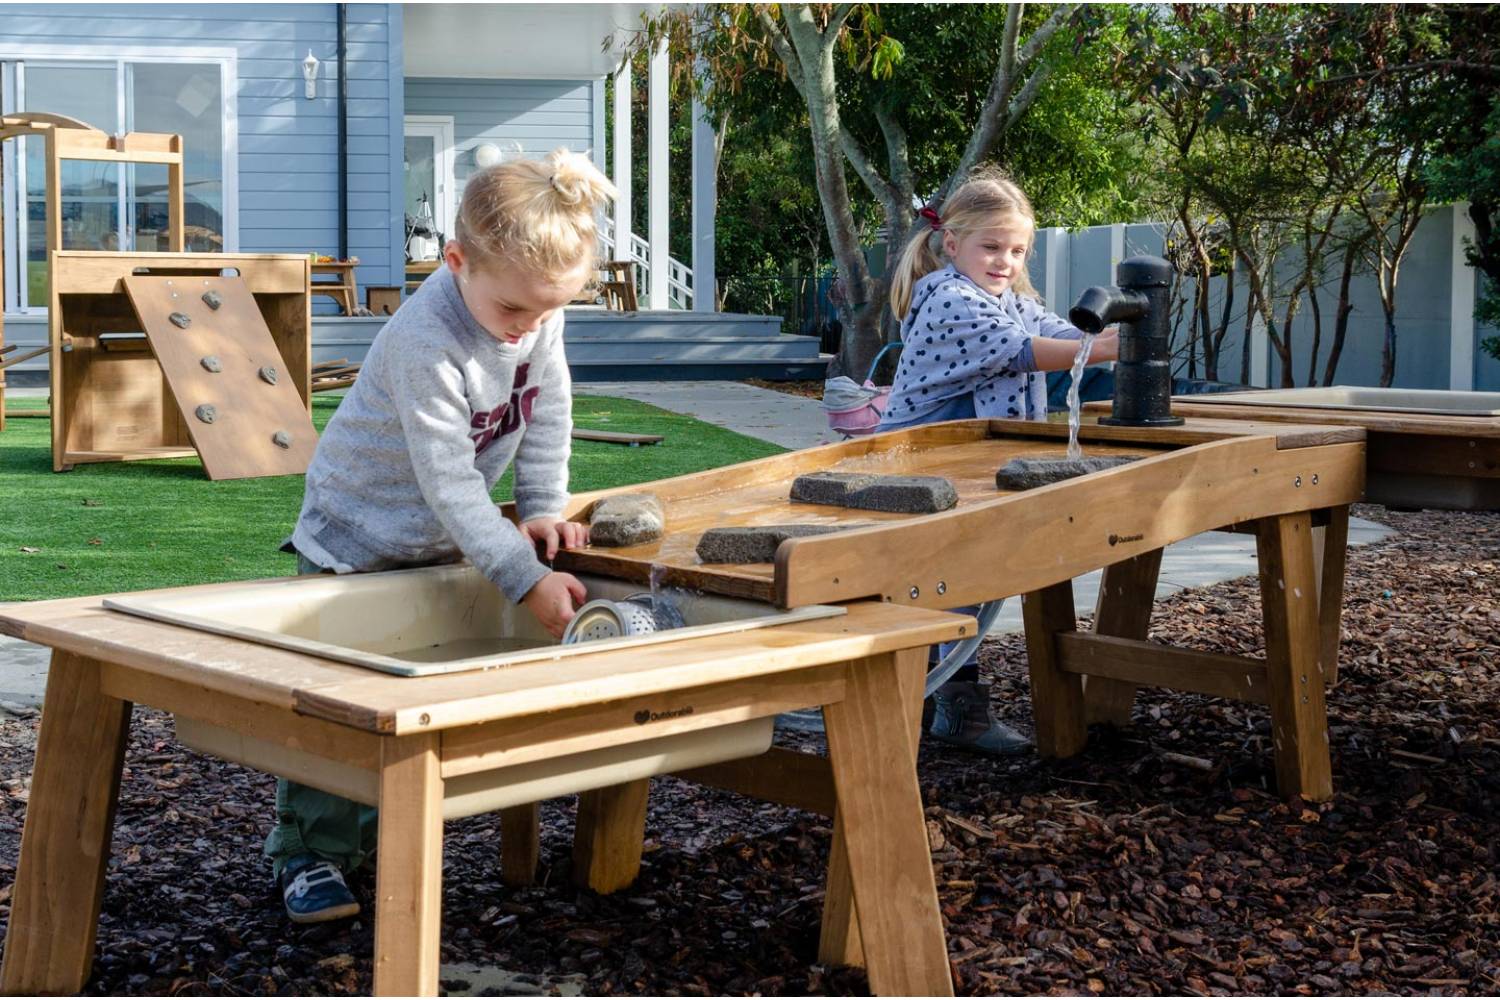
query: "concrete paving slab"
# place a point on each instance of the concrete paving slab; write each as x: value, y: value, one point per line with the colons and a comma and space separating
x: 791, y: 421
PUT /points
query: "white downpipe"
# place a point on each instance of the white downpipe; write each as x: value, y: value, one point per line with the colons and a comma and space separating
x: 623, y: 88
x: 657, y: 292
x: 1461, y: 305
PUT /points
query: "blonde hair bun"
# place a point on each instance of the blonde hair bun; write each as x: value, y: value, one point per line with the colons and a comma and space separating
x: 577, y: 181
x: 538, y: 213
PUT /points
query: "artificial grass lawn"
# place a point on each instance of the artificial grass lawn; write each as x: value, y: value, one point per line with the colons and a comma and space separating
x: 117, y: 526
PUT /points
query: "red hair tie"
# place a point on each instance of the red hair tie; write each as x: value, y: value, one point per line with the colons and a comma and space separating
x: 933, y: 219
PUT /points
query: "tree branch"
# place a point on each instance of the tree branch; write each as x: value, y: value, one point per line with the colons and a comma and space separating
x: 898, y: 156
x: 836, y: 21
x: 1027, y: 96
x: 783, y: 49
x: 860, y: 161
x: 994, y: 118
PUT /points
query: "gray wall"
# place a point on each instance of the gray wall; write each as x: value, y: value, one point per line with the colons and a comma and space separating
x: 288, y: 145
x: 533, y: 117
x: 1423, y: 314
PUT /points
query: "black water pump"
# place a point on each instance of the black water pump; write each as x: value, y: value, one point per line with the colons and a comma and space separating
x: 1140, y: 304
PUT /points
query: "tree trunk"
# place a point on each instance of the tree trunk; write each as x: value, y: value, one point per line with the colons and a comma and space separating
x: 1341, y: 315
x: 1388, y: 350
x: 1317, y: 334
x: 860, y: 310
x: 1221, y: 332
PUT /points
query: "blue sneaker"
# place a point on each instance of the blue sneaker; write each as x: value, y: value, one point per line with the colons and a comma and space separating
x: 314, y: 891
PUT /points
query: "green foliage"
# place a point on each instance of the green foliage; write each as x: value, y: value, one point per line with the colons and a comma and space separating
x: 128, y: 526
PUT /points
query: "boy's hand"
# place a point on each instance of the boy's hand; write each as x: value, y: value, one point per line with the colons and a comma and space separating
x: 555, y: 534
x: 554, y: 601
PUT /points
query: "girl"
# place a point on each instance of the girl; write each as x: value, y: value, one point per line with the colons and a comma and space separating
x: 975, y: 339
x: 468, y: 376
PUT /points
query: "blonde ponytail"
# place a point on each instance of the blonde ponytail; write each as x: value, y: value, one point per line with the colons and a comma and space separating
x: 988, y: 199
x: 537, y: 213
x: 922, y: 256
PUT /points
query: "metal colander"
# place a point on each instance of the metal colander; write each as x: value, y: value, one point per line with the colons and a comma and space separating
x: 638, y: 614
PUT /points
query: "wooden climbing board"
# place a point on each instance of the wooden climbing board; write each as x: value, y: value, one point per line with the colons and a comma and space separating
x: 241, y: 407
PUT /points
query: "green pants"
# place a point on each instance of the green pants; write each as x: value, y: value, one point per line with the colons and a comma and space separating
x: 312, y: 822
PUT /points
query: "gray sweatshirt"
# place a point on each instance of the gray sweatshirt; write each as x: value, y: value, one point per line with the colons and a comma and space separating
x: 403, y: 472
x: 959, y: 339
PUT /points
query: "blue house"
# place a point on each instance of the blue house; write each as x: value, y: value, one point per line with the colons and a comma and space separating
x: 349, y: 130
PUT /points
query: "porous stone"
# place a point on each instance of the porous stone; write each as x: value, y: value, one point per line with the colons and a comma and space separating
x: 627, y: 519
x: 1029, y: 473
x: 268, y: 375
x: 181, y: 320
x: 863, y: 491
x: 207, y: 413
x: 213, y: 299
x: 758, y: 544
x: 212, y: 363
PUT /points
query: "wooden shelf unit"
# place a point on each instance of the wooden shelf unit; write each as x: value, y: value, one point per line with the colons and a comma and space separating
x: 116, y: 406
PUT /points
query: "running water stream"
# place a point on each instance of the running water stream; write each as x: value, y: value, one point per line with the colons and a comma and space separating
x: 1075, y: 406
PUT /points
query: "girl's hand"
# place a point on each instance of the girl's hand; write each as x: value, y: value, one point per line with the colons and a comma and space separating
x: 554, y: 601
x: 555, y: 534
x: 1106, y: 347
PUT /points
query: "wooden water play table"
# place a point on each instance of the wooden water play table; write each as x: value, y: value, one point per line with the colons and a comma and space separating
x: 1289, y: 485
x: 1426, y: 447
x: 416, y: 738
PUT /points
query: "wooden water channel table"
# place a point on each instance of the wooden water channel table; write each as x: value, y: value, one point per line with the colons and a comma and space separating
x: 415, y: 737
x: 1425, y: 448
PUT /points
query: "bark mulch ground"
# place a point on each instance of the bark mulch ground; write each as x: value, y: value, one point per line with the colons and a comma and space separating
x: 1158, y: 862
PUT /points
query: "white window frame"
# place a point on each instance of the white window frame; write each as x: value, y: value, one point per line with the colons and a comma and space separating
x: 439, y: 128
x: 13, y: 59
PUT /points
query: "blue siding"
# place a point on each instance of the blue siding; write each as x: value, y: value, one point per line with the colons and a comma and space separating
x: 288, y: 146
x: 532, y: 116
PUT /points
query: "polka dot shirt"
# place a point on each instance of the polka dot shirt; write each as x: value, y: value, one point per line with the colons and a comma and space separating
x: 960, y: 339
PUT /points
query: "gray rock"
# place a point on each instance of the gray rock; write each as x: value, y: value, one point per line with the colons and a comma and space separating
x: 213, y: 298
x: 212, y: 363
x: 1029, y: 473
x: 893, y: 494
x: 627, y: 519
x: 207, y: 413
x: 268, y: 375
x: 758, y: 544
x: 281, y: 439
x: 182, y: 320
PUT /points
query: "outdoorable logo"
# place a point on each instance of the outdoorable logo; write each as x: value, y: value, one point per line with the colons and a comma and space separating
x: 644, y: 716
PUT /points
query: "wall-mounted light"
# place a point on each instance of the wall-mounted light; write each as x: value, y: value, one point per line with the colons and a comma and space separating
x: 486, y: 154
x: 310, y: 76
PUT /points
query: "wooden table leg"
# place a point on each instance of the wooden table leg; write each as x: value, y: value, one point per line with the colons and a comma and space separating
x: 75, y: 783
x: 1289, y: 599
x: 1056, y: 696
x: 1127, y: 592
x: 409, y: 867
x: 520, y: 844
x: 1330, y: 556
x: 838, y: 940
x: 874, y: 768
x: 609, y: 836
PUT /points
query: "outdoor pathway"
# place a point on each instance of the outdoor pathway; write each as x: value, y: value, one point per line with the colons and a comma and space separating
x: 792, y: 422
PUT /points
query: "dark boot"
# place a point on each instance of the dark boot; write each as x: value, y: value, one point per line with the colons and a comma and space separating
x: 960, y: 714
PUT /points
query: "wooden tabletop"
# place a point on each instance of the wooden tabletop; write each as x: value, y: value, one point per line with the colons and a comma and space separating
x: 381, y: 703
x: 967, y: 453
x: 1383, y: 421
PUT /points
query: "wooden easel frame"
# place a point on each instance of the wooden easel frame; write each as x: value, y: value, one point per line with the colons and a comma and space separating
x: 70, y: 139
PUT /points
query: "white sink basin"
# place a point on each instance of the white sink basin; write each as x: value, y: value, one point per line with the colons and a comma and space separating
x: 1353, y: 397
x: 433, y: 620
